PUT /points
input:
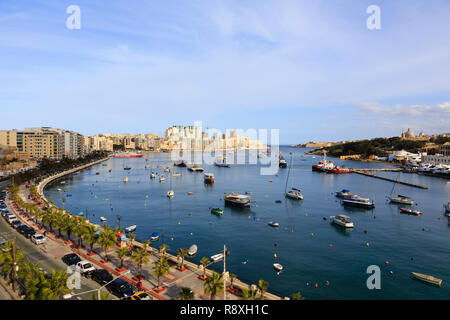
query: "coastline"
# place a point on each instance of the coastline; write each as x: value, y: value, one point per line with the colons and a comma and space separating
x: 192, y: 266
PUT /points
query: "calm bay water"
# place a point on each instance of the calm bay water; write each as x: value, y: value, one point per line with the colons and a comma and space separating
x: 301, y: 243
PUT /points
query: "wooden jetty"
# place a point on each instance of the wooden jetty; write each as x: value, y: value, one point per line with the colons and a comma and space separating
x: 366, y: 173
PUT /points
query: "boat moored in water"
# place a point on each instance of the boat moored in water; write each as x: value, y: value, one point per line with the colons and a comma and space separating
x: 342, y: 220
x: 217, y: 211
x: 102, y: 219
x: 195, y: 168
x: 358, y: 201
x: 410, y: 211
x: 238, y: 200
x: 344, y: 193
x: 278, y: 267
x: 154, y: 236
x: 128, y: 155
x: 427, y: 278
x: 216, y: 257
x: 273, y: 224
x: 447, y: 208
x: 192, y: 250
x: 130, y: 228
x: 209, y: 177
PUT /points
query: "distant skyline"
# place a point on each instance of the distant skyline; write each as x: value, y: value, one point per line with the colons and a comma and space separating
x: 309, y: 68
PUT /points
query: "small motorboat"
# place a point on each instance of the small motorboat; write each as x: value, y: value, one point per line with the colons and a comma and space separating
x: 427, y: 278
x: 170, y: 193
x: 358, y: 201
x: 217, y: 211
x: 152, y: 176
x: 154, y: 236
x: 166, y: 170
x: 102, y: 219
x: 192, y: 250
x: 97, y: 173
x: 130, y: 228
x: 217, y: 257
x: 209, y: 177
x: 127, y: 168
x: 278, y: 267
x: 125, y: 179
x: 176, y: 175
x: 273, y: 224
x: 195, y: 168
x: 342, y: 220
x: 161, y: 178
x: 294, y: 194
x: 410, y: 211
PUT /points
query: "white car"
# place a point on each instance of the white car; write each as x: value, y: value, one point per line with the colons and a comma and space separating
x: 38, y: 238
x: 84, y: 267
x: 10, y: 218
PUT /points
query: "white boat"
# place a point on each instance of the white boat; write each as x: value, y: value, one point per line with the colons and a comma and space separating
x: 273, y: 224
x: 217, y: 257
x: 278, y: 267
x: 358, y: 201
x: 125, y: 179
x: 152, y: 176
x: 130, y: 228
x: 192, y: 250
x: 146, y: 166
x: 427, y: 278
x: 293, y: 193
x: 170, y: 193
x: 102, y: 219
x: 161, y: 178
x: 400, y: 199
x: 166, y: 170
x: 176, y: 175
x: 342, y: 220
x: 196, y: 168
x: 209, y: 177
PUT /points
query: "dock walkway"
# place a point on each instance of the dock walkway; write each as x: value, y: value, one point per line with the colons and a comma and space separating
x: 366, y: 173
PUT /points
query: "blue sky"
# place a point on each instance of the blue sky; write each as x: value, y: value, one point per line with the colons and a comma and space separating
x: 309, y: 68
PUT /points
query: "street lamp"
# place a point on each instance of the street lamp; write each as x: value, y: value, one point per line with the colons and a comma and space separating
x: 70, y: 295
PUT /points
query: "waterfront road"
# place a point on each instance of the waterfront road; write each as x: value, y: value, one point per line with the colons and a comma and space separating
x: 48, y: 256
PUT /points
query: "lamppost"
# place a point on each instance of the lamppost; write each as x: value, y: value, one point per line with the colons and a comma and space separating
x: 70, y: 295
x: 327, y: 283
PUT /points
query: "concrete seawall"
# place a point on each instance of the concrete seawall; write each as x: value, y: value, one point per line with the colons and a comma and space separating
x: 192, y: 266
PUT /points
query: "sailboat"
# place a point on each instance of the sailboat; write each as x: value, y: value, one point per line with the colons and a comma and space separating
x: 400, y: 199
x: 221, y: 162
x: 293, y: 193
x: 170, y: 193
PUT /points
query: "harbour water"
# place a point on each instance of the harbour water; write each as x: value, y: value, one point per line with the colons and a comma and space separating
x: 310, y: 249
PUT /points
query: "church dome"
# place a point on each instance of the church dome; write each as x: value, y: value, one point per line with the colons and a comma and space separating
x: 409, y: 134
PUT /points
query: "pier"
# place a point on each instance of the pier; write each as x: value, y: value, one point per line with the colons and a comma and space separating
x: 366, y: 173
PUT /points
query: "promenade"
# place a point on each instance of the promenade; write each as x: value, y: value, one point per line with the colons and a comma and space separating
x: 172, y: 282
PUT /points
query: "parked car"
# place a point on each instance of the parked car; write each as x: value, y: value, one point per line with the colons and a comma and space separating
x: 120, y: 288
x: 29, y: 232
x: 85, y: 267
x: 16, y: 224
x: 10, y: 218
x: 140, y: 295
x: 71, y: 259
x: 24, y: 230
x: 5, y: 213
x: 38, y: 238
x: 101, y: 276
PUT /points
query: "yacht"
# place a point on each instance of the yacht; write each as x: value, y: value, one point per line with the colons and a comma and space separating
x: 410, y: 211
x: 358, y: 201
x: 152, y: 175
x: 195, y: 168
x: 400, y: 199
x: 273, y: 224
x: 282, y: 161
x: 217, y: 257
x: 192, y: 250
x: 342, y: 220
x: 278, y: 267
x: 161, y: 178
x: 237, y: 200
x: 293, y: 193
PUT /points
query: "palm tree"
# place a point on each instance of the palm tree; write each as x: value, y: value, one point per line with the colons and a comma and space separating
x: 145, y: 244
x: 204, y: 262
x: 132, y: 237
x: 122, y: 253
x: 263, y: 286
x: 214, y: 284
x: 297, y: 296
x: 185, y: 293
x: 90, y: 235
x: 140, y: 257
x: 37, y: 284
x: 106, y: 240
x: 58, y: 284
x: 182, y: 252
x: 68, y: 225
x: 7, y: 261
x: 160, y: 268
x: 80, y: 229
x: 163, y: 249
x: 49, y: 219
x: 249, y: 294
x: 59, y: 222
